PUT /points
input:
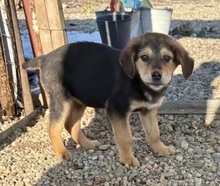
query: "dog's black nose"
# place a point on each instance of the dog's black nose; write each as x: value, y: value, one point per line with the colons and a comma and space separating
x: 156, y: 75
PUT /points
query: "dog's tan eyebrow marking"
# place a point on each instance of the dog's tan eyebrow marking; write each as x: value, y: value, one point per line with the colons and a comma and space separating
x: 166, y: 52
x: 146, y: 51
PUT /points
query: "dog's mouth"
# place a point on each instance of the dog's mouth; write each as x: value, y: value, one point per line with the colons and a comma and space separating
x: 155, y: 86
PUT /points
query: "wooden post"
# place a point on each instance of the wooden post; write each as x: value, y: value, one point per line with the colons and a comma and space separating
x: 50, y: 21
x: 30, y: 14
x: 46, y: 27
x: 28, y: 104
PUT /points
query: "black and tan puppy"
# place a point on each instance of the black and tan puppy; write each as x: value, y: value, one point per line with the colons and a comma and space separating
x: 89, y: 74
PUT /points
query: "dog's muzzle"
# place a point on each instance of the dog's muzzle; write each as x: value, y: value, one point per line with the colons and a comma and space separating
x: 155, y: 80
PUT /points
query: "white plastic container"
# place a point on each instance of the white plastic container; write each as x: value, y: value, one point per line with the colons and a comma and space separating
x: 150, y: 20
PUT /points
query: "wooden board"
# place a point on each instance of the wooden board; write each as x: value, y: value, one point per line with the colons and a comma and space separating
x: 169, y: 107
x: 50, y: 21
x: 21, y: 123
x: 190, y: 107
x: 27, y: 100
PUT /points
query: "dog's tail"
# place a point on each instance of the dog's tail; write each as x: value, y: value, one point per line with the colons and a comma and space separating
x: 34, y: 63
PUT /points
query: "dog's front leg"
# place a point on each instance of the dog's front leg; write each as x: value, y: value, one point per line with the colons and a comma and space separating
x: 152, y: 131
x: 123, y: 138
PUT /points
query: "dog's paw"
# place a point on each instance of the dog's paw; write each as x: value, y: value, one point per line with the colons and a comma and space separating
x: 161, y: 149
x: 66, y: 155
x: 131, y: 160
x: 95, y: 144
x: 90, y: 144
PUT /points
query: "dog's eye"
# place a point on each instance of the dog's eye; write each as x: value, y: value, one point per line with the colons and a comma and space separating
x: 145, y: 58
x: 166, y: 58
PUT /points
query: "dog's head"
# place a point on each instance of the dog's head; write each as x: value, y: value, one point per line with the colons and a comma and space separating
x: 154, y: 57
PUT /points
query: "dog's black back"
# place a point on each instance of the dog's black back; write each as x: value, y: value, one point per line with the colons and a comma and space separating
x: 99, y: 72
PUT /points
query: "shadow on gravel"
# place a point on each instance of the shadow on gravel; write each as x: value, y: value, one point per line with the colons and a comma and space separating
x: 18, y: 131
x: 196, y: 28
x: 210, y: 73
x: 72, y: 173
x: 201, y: 86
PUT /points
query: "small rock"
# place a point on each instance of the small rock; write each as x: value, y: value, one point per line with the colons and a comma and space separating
x: 119, y: 171
x: 106, y: 184
x: 167, y: 174
x: 190, y: 150
x: 197, y: 175
x: 194, y: 35
x: 197, y: 156
x: 94, y: 157
x: 111, y: 153
x: 179, y: 157
x: 133, y: 174
x: 91, y: 151
x: 79, y: 165
x: 199, y: 164
x: 104, y: 147
x: 188, y: 175
x: 101, y: 157
x: 20, y: 183
x: 214, y: 169
x: 170, y: 117
x: 103, y: 133
x: 184, y: 145
x: 216, y: 157
x: 209, y: 176
x: 65, y: 5
x: 198, y: 181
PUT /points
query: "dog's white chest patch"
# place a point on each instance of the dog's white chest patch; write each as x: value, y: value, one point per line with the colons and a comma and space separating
x: 146, y: 104
x: 156, y: 104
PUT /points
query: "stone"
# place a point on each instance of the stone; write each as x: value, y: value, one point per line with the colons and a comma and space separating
x: 104, y: 147
x: 179, y: 157
x: 19, y: 183
x: 106, y: 184
x: 216, y: 157
x: 198, y: 181
x: 184, y: 145
x: 133, y: 174
x: 101, y: 157
x: 94, y: 157
x: 199, y: 164
x: 190, y: 150
x: 119, y: 171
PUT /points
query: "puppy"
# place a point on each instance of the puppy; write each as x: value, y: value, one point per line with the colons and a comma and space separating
x: 90, y: 74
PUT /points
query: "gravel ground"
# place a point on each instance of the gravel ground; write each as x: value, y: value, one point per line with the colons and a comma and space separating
x: 27, y: 157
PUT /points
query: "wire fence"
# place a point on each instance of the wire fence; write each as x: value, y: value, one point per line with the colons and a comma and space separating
x: 10, y: 91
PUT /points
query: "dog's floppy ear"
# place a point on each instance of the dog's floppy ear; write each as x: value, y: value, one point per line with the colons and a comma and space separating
x: 127, y: 60
x: 184, y: 60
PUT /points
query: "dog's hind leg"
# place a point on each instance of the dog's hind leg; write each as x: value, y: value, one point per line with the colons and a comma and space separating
x: 72, y: 125
x: 58, y: 113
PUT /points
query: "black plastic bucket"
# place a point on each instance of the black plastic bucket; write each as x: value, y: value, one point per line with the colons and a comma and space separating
x: 108, y: 13
x: 115, y: 29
